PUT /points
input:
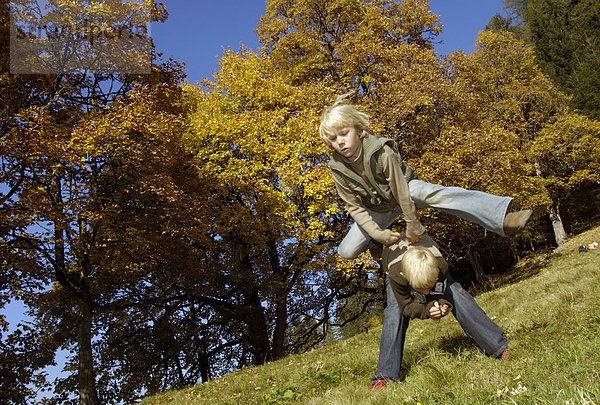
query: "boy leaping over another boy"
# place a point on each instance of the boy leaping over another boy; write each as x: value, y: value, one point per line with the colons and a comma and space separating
x: 377, y: 187
x: 419, y: 286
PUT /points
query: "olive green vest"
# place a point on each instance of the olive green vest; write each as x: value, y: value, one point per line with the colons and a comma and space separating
x: 372, y: 149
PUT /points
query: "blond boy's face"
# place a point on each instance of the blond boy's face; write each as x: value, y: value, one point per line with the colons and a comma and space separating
x: 346, y: 142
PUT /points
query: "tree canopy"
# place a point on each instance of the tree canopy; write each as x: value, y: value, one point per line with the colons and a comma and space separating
x: 164, y: 233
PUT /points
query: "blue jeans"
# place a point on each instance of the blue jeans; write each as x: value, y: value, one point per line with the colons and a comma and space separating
x: 472, y: 319
x: 487, y: 210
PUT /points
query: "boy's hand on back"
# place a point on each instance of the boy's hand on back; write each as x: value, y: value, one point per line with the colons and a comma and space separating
x: 445, y: 309
x: 394, y: 236
x: 413, y: 238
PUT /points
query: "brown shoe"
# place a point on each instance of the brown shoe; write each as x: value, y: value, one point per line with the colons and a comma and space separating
x: 505, y: 355
x: 515, y: 222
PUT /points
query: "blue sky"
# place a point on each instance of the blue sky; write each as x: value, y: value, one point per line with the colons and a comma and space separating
x: 197, y: 31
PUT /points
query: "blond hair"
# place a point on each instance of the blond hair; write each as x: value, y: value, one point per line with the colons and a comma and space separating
x: 420, y: 267
x: 340, y: 115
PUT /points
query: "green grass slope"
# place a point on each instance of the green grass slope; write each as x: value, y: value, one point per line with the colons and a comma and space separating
x: 549, y: 308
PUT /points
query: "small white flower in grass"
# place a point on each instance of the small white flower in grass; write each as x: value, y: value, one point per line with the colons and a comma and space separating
x: 519, y: 390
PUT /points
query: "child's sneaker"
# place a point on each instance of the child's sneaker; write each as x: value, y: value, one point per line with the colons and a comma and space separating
x: 515, y: 221
x: 379, y: 384
x: 505, y: 355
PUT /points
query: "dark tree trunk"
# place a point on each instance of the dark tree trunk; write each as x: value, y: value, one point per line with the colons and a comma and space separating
x: 75, y: 282
x: 557, y: 225
x: 87, y: 383
x: 280, y: 327
x: 475, y: 260
x: 257, y: 333
x: 281, y: 294
x: 257, y: 329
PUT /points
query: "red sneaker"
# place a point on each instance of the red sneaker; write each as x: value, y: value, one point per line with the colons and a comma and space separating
x: 505, y: 355
x: 379, y: 384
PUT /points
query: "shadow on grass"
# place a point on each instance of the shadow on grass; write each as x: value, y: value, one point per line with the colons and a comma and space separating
x: 458, y: 344
x: 454, y: 345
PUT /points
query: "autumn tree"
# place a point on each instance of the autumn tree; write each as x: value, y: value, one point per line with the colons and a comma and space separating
x: 512, y: 93
x: 134, y: 210
x: 354, y: 46
x: 252, y: 133
x: 119, y: 221
x: 51, y: 203
x: 345, y: 45
x: 566, y: 152
x: 147, y: 219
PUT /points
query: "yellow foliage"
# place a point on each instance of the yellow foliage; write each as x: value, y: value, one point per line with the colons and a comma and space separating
x: 364, y: 262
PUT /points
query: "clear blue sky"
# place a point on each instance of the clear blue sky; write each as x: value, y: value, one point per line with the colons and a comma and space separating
x: 198, y: 30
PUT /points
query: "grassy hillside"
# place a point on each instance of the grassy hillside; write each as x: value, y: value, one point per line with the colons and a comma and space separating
x: 549, y: 308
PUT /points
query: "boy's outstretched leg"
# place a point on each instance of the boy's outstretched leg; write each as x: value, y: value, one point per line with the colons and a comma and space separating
x: 488, y: 210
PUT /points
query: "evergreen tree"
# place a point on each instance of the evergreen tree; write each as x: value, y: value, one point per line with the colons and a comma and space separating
x: 566, y: 37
